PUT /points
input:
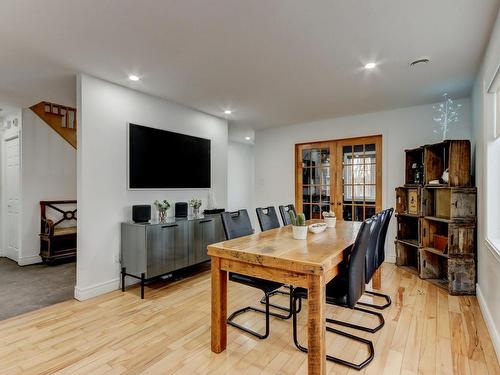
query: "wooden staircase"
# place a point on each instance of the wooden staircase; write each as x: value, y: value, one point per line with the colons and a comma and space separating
x: 60, y: 118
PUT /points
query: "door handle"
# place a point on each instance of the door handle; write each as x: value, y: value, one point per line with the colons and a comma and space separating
x: 170, y: 226
x: 205, y: 221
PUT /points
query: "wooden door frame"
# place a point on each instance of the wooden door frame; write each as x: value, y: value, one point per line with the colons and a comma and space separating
x: 335, y: 179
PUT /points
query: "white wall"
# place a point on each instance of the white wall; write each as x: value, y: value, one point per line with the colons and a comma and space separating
x: 401, y: 129
x: 488, y: 258
x: 240, y: 178
x: 48, y: 173
x: 103, y: 199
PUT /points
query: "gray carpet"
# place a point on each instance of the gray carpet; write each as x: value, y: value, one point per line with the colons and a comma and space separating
x: 28, y: 288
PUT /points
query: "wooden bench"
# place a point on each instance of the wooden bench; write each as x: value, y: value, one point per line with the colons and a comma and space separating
x: 57, y: 240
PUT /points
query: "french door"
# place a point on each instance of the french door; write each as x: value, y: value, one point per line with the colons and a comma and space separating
x: 343, y: 176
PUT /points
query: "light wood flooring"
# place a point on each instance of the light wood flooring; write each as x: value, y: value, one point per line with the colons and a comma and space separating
x: 426, y: 332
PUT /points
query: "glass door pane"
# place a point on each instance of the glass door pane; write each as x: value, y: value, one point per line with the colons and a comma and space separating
x: 316, y: 182
x: 358, y: 185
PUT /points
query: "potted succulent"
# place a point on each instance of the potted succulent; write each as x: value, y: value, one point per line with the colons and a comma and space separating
x: 330, y: 219
x: 299, y: 226
x: 195, y: 204
x: 162, y: 207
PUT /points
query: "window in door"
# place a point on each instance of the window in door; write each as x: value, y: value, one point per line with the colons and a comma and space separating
x: 359, y: 180
x: 315, y: 182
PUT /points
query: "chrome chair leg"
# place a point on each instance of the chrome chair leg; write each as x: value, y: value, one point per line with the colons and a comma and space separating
x: 357, y: 366
x: 360, y: 327
x: 230, y: 319
x: 378, y: 307
x: 283, y: 308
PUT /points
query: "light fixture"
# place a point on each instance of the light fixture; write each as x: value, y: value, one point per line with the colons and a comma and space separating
x: 133, y: 77
x: 228, y: 112
x: 248, y: 138
x: 370, y: 65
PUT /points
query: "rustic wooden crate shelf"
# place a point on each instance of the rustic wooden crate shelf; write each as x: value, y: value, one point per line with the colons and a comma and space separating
x: 410, y: 215
x: 414, y: 156
x: 435, y: 251
x: 413, y: 243
x: 453, y: 155
x: 450, y: 203
x: 408, y: 229
x: 409, y: 201
x: 460, y: 238
x: 407, y: 255
x: 436, y: 223
x: 440, y: 219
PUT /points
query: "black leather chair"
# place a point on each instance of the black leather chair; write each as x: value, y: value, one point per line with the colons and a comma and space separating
x: 377, y: 257
x: 285, y: 216
x: 375, y: 228
x: 268, y: 219
x: 237, y: 224
x: 344, y: 290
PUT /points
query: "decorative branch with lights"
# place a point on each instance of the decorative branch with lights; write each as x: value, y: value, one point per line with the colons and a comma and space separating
x: 447, y: 114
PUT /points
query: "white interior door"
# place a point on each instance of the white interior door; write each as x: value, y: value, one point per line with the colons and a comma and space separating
x: 12, y: 198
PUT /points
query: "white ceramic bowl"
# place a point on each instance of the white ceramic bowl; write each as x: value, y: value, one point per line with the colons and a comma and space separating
x: 317, y: 227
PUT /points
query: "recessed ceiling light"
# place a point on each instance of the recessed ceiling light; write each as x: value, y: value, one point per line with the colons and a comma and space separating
x: 133, y: 77
x: 228, y: 112
x: 370, y: 65
x: 248, y: 138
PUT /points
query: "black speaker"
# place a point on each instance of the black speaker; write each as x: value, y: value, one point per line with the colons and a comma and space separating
x: 141, y: 213
x: 181, y: 209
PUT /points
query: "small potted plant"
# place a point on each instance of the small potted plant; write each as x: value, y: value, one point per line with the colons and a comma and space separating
x: 299, y: 227
x: 195, y: 204
x: 162, y: 207
x: 330, y: 219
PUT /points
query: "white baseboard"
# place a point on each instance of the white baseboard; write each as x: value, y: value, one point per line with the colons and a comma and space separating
x: 81, y: 294
x: 390, y: 258
x: 490, y: 324
x: 32, y: 259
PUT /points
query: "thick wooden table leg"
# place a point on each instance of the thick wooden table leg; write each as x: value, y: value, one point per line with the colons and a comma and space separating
x: 316, y: 359
x: 377, y: 279
x: 219, y: 307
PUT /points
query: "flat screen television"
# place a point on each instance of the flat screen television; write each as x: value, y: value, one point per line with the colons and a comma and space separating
x: 160, y: 159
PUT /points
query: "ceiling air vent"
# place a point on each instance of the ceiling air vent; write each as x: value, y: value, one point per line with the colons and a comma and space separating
x: 420, y: 60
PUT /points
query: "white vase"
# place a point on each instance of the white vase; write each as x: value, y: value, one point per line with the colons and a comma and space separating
x: 331, y: 222
x: 196, y: 212
x: 300, y: 232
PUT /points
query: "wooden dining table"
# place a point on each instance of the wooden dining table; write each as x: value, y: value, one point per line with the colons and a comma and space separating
x: 275, y: 255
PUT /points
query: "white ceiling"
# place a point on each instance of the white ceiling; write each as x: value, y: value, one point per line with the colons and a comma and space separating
x: 274, y: 62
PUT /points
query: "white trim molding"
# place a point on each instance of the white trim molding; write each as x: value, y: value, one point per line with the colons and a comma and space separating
x: 390, y: 258
x: 26, y: 261
x: 82, y: 294
x: 494, y: 250
x: 490, y: 323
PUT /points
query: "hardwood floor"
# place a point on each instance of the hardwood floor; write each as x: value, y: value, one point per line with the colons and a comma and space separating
x: 426, y: 332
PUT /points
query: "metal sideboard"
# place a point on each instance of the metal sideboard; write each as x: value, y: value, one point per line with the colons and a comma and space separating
x: 151, y: 250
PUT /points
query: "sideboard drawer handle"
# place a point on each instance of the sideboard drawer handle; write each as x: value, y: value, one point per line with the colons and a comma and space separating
x: 205, y: 221
x: 170, y: 226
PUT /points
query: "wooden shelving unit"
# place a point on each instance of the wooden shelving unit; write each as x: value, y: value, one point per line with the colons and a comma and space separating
x: 453, y: 155
x: 436, y: 219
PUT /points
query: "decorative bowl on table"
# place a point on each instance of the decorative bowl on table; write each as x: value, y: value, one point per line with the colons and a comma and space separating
x: 317, y: 227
